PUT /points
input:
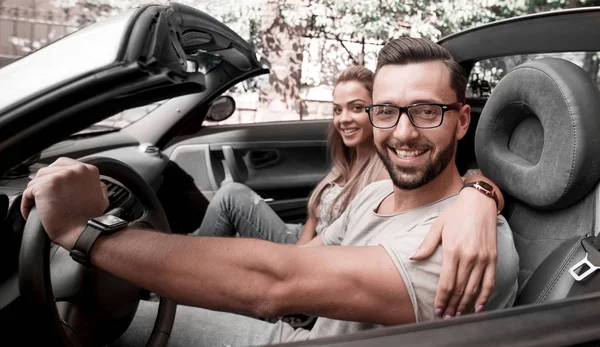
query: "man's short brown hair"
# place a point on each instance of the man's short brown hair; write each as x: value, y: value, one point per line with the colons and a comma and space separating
x: 407, y: 50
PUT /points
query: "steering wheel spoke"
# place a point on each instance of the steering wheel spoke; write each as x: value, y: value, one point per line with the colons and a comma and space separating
x: 67, y: 276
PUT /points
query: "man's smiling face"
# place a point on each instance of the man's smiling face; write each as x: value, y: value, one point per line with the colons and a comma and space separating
x: 414, y: 156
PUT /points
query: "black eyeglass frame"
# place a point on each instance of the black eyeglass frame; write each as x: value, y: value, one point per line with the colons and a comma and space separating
x: 445, y: 107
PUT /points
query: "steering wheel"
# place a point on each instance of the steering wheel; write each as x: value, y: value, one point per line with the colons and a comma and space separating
x: 95, y: 307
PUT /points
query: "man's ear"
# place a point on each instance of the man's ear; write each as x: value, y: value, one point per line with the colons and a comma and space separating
x: 464, y: 119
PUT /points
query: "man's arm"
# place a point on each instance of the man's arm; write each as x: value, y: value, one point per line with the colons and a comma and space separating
x: 259, y: 277
x: 467, y: 232
x: 239, y: 275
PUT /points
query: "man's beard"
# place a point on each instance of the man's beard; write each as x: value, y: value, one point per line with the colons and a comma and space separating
x: 409, y: 178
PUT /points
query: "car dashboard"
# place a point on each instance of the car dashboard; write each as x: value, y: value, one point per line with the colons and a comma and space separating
x: 146, y: 160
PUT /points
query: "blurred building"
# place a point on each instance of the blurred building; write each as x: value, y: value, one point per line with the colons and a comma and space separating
x: 26, y: 25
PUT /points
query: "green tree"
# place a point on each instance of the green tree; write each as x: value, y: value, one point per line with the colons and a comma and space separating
x: 377, y: 21
x: 280, y: 43
x: 330, y: 34
x: 241, y: 16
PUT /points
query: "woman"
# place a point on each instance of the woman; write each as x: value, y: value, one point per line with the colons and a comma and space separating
x: 350, y: 141
x: 236, y: 209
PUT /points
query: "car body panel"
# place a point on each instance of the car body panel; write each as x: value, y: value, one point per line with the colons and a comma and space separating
x: 537, y: 33
x: 569, y: 322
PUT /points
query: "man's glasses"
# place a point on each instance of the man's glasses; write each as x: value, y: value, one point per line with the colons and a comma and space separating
x: 424, y: 116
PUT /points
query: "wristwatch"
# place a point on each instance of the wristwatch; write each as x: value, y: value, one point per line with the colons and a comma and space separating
x: 96, y: 227
x: 485, y: 188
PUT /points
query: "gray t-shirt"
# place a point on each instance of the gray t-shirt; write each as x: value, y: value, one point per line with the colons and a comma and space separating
x: 400, y: 235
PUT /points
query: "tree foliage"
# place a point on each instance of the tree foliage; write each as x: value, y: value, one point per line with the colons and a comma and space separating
x: 311, y: 41
x: 361, y: 22
x: 241, y: 16
x: 377, y: 21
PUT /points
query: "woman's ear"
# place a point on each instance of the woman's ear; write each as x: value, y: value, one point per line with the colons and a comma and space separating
x: 464, y: 119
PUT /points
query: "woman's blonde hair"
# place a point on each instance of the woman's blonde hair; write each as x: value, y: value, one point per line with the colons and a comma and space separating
x: 343, y: 157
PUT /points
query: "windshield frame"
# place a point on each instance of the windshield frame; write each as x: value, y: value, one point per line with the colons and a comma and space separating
x: 94, y: 47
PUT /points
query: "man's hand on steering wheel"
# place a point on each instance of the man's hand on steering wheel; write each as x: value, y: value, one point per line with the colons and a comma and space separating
x: 66, y: 194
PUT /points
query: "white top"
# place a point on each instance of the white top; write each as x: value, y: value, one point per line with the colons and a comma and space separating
x: 326, y: 214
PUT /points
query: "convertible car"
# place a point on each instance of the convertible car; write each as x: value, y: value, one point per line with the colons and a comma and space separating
x: 535, y: 130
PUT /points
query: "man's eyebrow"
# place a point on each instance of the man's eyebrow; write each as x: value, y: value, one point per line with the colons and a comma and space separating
x: 386, y: 102
x: 418, y: 101
x: 426, y: 101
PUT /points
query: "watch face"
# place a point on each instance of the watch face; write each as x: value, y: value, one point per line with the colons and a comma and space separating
x: 109, y: 221
x: 485, y: 186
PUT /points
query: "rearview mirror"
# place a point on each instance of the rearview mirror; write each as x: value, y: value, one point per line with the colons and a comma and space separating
x: 221, y: 109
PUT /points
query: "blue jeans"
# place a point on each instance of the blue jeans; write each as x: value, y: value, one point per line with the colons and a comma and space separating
x: 199, y: 327
x: 238, y: 209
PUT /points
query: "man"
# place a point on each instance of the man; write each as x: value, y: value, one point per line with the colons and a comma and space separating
x: 418, y: 116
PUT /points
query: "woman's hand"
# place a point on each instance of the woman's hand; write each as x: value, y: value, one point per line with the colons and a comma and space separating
x: 308, y: 231
x: 467, y: 231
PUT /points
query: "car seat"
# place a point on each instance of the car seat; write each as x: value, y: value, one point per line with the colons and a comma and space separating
x: 538, y: 138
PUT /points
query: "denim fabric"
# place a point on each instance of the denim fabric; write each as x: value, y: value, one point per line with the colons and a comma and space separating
x: 238, y: 209
x: 196, y: 327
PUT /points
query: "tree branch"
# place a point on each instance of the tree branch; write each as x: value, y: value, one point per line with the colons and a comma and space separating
x: 352, y: 57
x: 322, y: 34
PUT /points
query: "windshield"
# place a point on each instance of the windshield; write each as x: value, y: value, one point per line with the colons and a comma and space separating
x: 205, y: 63
x: 90, y: 49
x: 119, y: 120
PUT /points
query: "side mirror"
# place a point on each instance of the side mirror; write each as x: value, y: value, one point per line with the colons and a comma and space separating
x: 221, y: 109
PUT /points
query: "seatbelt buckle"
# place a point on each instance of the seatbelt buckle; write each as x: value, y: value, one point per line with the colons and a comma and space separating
x: 592, y: 257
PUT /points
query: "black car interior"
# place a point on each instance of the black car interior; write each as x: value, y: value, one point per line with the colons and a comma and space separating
x: 538, y: 139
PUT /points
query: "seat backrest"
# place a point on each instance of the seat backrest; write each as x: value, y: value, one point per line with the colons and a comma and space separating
x: 538, y: 138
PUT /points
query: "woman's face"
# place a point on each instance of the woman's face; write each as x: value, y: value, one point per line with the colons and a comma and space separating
x: 349, y: 116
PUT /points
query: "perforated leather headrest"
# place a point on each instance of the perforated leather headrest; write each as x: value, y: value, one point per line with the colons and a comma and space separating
x: 538, y: 136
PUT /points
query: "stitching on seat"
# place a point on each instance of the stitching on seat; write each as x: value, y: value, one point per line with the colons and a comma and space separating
x: 540, y: 239
x: 559, y: 273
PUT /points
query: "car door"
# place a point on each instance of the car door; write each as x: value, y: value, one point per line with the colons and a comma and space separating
x: 281, y: 161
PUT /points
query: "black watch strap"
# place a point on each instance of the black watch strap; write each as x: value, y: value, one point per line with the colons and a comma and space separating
x: 81, y: 250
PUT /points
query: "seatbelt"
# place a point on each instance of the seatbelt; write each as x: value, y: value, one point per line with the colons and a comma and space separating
x: 584, y: 282
x: 597, y: 214
x: 591, y: 246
